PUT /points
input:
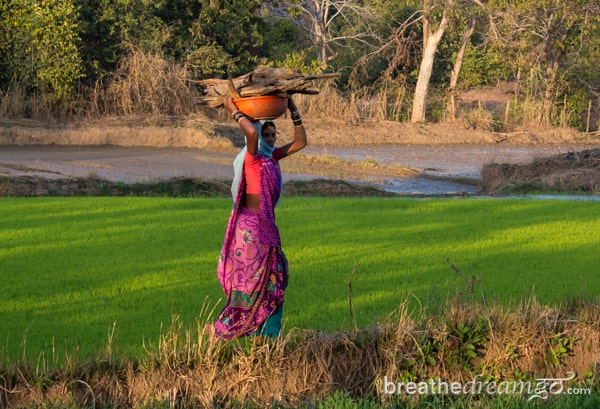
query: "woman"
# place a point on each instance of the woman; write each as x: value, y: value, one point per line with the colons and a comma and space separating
x: 252, y: 268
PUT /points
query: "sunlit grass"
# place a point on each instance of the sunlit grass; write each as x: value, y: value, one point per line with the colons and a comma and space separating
x: 73, y: 267
x: 407, y: 247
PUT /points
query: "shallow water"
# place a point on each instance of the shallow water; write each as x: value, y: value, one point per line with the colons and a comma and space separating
x: 448, y: 160
x: 147, y: 164
x: 454, y: 161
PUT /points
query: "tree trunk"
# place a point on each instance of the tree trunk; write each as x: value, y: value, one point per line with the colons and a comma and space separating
x: 321, y: 43
x: 430, y: 41
x: 553, y: 58
x: 451, y: 109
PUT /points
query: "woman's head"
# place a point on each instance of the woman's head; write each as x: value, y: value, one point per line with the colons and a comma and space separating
x: 269, y: 133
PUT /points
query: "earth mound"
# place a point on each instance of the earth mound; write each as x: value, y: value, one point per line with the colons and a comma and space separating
x: 567, y: 172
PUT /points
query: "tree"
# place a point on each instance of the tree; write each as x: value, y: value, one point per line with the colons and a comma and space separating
x: 439, y: 13
x: 544, y: 35
x: 328, y: 23
x: 224, y: 37
x: 109, y: 28
x: 41, y: 45
x: 431, y: 40
x: 402, y: 47
x: 473, y: 18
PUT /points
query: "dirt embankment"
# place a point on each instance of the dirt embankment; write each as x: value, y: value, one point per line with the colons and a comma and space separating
x: 209, y: 133
x: 147, y: 132
x: 569, y: 172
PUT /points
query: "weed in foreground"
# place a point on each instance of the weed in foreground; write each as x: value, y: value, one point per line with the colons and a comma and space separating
x: 466, y: 342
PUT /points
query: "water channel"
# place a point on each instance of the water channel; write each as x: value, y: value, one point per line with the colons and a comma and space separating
x: 145, y: 164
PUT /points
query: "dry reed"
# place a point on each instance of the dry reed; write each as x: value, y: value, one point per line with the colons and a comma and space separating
x: 187, y: 368
x: 145, y: 84
x: 568, y: 172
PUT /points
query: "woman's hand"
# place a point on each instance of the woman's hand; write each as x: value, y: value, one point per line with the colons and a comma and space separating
x: 244, y: 123
x: 230, y: 106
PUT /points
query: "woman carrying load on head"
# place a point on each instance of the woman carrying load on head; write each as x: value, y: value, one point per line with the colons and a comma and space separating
x: 252, y: 268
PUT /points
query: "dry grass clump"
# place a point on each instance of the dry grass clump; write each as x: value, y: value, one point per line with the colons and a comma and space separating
x: 353, y: 107
x: 568, y: 172
x: 187, y: 368
x: 481, y: 117
x: 327, y: 104
x: 16, y: 103
x: 145, y: 84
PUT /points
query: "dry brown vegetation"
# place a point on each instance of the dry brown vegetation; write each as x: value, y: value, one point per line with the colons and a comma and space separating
x: 189, y: 369
x: 144, y: 84
x: 568, y: 172
x: 214, y: 132
x: 151, y: 102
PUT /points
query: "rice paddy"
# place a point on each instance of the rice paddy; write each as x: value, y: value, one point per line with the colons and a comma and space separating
x: 81, y: 273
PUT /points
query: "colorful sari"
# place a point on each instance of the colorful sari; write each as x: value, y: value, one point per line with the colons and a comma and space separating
x: 252, y: 268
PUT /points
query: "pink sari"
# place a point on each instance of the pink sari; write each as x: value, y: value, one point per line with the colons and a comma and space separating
x: 252, y: 267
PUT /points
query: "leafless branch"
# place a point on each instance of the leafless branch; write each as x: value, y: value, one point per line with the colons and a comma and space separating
x: 317, y: 17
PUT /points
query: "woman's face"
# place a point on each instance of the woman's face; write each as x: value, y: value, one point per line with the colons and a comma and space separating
x: 269, y: 134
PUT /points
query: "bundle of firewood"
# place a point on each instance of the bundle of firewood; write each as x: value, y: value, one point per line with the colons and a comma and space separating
x: 261, y: 81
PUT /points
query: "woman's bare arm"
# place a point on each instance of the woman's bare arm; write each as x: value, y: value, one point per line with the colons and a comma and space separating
x: 246, y: 126
x: 300, y: 138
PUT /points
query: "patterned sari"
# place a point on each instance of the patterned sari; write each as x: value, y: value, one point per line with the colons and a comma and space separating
x: 252, y: 268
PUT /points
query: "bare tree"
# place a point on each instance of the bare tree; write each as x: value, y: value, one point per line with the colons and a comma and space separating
x: 317, y: 18
x: 431, y: 40
x: 543, y: 33
x: 398, y: 49
x: 469, y: 30
x: 402, y: 46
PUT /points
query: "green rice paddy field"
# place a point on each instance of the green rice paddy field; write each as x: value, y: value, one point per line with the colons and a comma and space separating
x: 76, y: 272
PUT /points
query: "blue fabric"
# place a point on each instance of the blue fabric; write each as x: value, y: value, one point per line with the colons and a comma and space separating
x: 272, y: 325
x: 264, y: 148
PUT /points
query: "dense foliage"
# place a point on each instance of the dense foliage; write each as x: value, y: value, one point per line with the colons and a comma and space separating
x: 61, y: 59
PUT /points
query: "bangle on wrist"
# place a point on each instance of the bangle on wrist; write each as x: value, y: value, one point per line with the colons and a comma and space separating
x: 296, y: 118
x: 237, y: 115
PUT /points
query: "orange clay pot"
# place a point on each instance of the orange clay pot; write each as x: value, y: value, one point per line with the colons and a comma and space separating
x: 263, y: 106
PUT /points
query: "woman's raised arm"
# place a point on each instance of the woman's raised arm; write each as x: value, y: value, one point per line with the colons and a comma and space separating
x: 300, y: 137
x: 245, y: 124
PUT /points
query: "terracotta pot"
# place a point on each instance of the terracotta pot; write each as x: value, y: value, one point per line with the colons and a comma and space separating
x: 263, y: 106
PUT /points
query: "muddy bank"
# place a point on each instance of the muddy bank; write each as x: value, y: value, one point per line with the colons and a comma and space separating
x: 32, y: 186
x: 196, y: 133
